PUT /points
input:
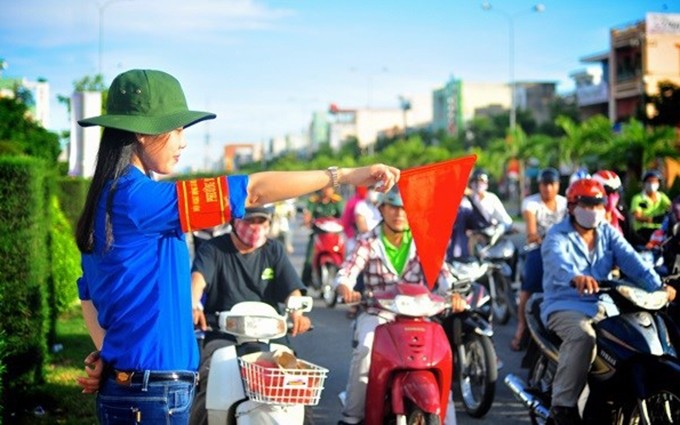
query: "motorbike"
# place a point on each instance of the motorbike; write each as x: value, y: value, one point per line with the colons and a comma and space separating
x: 491, y: 245
x: 635, y: 378
x: 410, y: 374
x: 470, y: 336
x: 329, y: 253
x: 255, y: 381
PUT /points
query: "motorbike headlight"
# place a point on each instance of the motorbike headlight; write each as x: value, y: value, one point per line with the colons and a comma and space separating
x: 647, y: 300
x: 257, y: 327
x: 418, y: 306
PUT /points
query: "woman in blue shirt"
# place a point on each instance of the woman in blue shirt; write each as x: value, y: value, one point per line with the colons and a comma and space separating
x: 135, y: 288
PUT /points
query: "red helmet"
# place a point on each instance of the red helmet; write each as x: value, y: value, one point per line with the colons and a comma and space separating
x: 588, y: 191
x: 609, y: 180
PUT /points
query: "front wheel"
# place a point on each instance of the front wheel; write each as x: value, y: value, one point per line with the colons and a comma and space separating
x: 476, y: 369
x: 328, y: 273
x: 663, y: 408
x: 502, y: 297
x: 418, y: 417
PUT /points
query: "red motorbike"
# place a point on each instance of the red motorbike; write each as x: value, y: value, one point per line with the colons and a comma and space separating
x: 329, y: 253
x: 411, y: 361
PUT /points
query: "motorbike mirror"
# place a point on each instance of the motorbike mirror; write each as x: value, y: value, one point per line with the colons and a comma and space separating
x: 300, y: 303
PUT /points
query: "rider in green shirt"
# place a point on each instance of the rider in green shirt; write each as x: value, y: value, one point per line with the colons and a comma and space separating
x: 649, y: 207
x: 326, y: 203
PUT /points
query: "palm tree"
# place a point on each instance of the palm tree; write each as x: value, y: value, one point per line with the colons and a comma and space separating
x: 583, y: 144
x: 637, y: 147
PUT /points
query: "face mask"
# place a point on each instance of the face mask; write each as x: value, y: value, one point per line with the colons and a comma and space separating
x: 589, y: 218
x: 480, y: 187
x: 252, y: 235
x: 651, y: 187
x: 373, y: 196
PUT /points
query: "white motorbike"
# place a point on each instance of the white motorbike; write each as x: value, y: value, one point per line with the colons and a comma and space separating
x: 255, y: 381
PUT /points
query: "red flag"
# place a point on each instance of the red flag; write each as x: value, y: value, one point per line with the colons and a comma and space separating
x: 432, y: 194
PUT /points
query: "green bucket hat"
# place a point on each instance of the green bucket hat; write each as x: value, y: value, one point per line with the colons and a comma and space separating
x: 147, y: 102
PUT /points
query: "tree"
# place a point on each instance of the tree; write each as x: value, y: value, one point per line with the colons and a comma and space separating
x: 584, y: 144
x: 19, y: 134
x: 666, y: 105
x: 637, y: 147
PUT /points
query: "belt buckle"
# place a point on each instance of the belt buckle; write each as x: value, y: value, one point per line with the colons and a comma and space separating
x: 124, y: 378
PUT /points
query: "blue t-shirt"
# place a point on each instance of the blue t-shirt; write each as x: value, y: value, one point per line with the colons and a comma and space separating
x: 141, y: 285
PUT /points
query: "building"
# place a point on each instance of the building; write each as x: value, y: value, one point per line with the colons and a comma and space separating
x: 458, y: 101
x: 367, y: 124
x: 536, y: 96
x: 84, y: 143
x: 236, y: 154
x: 640, y: 55
x: 298, y: 143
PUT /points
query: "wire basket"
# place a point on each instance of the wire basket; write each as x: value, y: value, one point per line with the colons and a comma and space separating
x: 265, y: 381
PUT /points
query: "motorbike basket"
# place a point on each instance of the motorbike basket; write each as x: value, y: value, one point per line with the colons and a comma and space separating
x: 265, y: 381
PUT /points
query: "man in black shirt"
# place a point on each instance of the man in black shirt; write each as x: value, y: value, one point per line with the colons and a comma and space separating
x: 242, y: 265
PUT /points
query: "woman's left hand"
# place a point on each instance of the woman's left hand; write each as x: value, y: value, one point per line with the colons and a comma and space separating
x: 94, y: 367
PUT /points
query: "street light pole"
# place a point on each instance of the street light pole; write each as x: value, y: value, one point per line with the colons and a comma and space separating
x: 101, y: 7
x: 538, y: 8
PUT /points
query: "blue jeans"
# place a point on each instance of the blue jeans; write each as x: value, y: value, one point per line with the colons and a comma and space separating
x: 167, y: 402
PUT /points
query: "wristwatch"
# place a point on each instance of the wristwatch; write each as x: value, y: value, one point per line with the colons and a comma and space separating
x: 333, y: 171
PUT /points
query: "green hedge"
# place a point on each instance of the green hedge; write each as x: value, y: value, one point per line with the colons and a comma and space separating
x: 24, y: 266
x: 2, y: 371
x: 72, y: 192
x: 65, y: 267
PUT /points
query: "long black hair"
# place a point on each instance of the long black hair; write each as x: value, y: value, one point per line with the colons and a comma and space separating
x: 113, y: 157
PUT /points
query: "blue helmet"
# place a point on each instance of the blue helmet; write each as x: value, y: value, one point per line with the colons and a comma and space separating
x: 652, y: 173
x: 549, y: 175
x: 392, y: 197
x: 581, y: 173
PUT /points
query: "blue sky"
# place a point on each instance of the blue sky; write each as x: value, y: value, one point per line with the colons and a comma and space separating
x: 264, y: 65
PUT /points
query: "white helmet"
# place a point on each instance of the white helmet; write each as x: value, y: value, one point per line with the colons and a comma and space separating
x: 609, y: 179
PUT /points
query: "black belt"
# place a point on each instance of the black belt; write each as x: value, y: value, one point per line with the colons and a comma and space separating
x: 126, y: 377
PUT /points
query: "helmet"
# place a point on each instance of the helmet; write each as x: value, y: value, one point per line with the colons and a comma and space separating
x: 549, y: 175
x: 392, y: 197
x: 581, y: 173
x: 479, y: 174
x: 652, y: 173
x: 609, y: 180
x: 264, y: 211
x: 588, y: 191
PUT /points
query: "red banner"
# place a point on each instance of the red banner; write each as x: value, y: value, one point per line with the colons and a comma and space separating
x: 203, y: 203
x: 432, y: 194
